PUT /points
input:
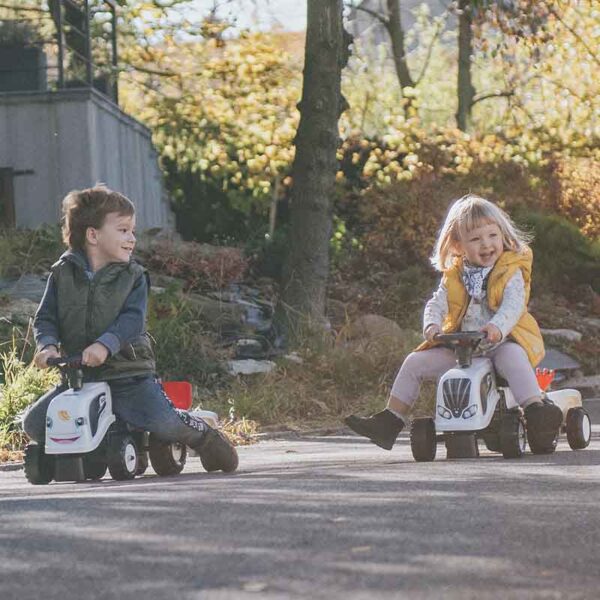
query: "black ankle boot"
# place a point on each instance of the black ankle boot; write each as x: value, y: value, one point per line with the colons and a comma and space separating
x: 543, y: 425
x: 382, y: 428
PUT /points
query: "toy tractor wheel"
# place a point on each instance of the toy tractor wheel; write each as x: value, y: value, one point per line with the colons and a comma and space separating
x: 142, y: 463
x: 122, y: 457
x: 218, y: 454
x: 423, y: 441
x: 579, y: 428
x: 167, y: 458
x: 94, y: 467
x: 39, y: 467
x: 513, y: 437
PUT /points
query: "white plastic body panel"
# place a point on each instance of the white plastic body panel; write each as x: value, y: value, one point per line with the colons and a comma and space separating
x: 77, y: 420
x: 565, y: 399
x: 459, y: 405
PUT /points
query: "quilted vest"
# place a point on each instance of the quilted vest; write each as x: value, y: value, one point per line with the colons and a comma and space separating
x: 86, y: 308
x: 526, y: 332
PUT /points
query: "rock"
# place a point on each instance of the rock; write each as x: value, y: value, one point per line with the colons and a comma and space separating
x: 591, y: 323
x: 294, y: 357
x: 18, y: 310
x: 30, y: 287
x: 249, y: 348
x: 371, y: 334
x: 250, y: 366
x: 564, y: 334
x: 558, y: 361
x: 225, y: 317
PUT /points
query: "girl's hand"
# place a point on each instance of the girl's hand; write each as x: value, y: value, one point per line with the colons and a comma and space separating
x: 41, y: 358
x: 431, y: 331
x: 94, y: 355
x: 492, y: 332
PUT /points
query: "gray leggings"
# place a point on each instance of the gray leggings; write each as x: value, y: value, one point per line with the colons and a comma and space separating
x: 510, y: 362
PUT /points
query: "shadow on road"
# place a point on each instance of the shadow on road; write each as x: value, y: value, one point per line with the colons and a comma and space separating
x: 352, y: 527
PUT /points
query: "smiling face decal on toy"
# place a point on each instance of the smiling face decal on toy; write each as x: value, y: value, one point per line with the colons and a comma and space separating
x: 65, y: 430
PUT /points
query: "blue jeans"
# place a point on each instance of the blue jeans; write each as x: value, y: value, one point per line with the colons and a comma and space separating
x: 139, y: 401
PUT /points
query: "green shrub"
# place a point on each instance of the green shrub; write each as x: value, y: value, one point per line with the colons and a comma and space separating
x: 563, y: 256
x: 29, y: 250
x: 184, y: 344
x: 22, y: 385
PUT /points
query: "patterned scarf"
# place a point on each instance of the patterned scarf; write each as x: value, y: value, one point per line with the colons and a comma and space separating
x: 475, y: 280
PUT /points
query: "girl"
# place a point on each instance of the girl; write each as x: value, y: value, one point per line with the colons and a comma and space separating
x: 486, y: 266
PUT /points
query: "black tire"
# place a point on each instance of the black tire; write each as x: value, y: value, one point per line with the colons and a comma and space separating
x: 461, y: 446
x: 423, y: 441
x: 38, y: 466
x: 167, y: 458
x: 122, y: 457
x: 142, y: 463
x: 579, y: 428
x: 513, y: 436
x: 218, y: 453
x: 94, y: 467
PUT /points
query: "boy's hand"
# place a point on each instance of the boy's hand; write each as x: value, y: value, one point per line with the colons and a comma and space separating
x: 41, y: 358
x: 431, y: 331
x: 492, y: 332
x: 94, y: 355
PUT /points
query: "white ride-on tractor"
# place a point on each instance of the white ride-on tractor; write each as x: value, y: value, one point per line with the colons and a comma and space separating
x: 84, y: 438
x: 473, y: 403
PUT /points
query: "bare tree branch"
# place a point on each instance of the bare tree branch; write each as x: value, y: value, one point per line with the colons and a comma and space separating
x: 429, y: 53
x: 575, y: 34
x: 370, y: 12
x: 482, y: 97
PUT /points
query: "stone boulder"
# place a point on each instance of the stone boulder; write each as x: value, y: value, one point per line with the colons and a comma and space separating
x: 372, y: 334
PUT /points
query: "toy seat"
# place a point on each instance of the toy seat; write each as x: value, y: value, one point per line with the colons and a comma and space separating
x: 179, y: 392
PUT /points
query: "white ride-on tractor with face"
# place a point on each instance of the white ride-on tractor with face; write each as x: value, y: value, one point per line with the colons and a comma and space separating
x: 473, y: 403
x: 84, y: 438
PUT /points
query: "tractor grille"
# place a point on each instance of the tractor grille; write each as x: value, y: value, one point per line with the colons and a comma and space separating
x: 456, y: 393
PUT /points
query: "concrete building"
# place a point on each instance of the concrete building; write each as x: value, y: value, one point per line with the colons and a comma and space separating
x: 53, y: 142
x: 60, y: 124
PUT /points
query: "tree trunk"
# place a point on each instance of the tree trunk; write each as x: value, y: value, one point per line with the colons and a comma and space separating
x: 465, y: 91
x: 396, y: 32
x: 315, y: 164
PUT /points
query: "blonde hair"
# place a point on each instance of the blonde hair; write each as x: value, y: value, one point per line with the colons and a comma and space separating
x: 466, y: 214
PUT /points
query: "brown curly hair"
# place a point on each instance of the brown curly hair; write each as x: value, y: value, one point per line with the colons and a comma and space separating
x: 88, y: 208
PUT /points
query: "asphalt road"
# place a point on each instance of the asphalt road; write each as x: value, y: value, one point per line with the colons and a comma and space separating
x: 320, y: 517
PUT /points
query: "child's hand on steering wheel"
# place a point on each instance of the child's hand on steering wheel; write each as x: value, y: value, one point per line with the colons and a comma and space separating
x: 41, y: 357
x: 94, y: 355
x: 431, y: 331
x: 492, y: 333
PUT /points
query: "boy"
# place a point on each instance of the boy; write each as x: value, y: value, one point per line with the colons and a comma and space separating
x: 95, y: 304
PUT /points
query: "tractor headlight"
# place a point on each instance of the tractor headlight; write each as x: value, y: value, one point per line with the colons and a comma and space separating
x: 444, y: 412
x: 79, y: 421
x: 470, y: 411
x: 48, y: 423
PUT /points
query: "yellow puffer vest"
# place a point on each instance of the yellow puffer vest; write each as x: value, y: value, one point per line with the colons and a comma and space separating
x: 526, y: 332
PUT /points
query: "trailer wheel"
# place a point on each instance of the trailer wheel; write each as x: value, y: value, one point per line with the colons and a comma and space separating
x: 513, y: 436
x: 38, y: 466
x: 167, y: 458
x: 422, y: 439
x: 122, y: 457
x: 579, y: 428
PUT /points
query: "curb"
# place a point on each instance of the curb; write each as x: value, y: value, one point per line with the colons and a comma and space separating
x: 11, y: 466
